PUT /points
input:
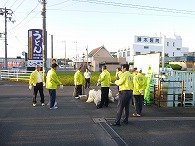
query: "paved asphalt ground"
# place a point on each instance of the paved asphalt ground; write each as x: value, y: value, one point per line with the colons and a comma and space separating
x: 77, y: 123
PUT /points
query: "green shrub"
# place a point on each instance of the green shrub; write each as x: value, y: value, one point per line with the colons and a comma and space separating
x: 67, y: 78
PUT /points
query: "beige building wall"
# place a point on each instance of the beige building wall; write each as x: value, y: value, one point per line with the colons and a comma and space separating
x: 110, y: 62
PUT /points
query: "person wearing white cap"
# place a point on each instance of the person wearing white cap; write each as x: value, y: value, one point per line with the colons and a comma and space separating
x: 139, y: 86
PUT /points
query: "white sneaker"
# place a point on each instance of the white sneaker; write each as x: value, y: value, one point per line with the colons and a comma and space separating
x: 34, y: 104
x: 43, y: 104
x: 55, y: 107
x: 54, y: 103
x: 77, y: 97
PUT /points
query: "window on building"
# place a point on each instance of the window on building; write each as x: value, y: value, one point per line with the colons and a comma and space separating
x: 124, y: 54
x: 137, y: 53
x: 146, y: 47
x: 120, y: 54
x: 173, y: 44
x: 173, y: 54
x: 167, y: 43
x: 178, y: 49
x: 152, y: 51
x: 128, y: 53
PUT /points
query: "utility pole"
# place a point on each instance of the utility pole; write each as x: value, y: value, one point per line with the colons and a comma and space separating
x: 51, y: 59
x: 6, y: 12
x: 76, y: 55
x: 44, y: 48
x: 51, y: 47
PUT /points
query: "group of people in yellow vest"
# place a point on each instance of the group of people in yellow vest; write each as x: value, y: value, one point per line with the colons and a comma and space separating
x: 130, y: 86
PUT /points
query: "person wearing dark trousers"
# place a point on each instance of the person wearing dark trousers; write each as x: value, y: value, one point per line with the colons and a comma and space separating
x: 125, y: 84
x: 78, y: 82
x: 37, y: 82
x: 52, y: 82
x: 104, y: 80
x: 140, y: 83
x: 87, y: 75
x: 104, y: 97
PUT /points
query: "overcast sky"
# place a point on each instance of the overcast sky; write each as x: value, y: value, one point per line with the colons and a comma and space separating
x: 93, y: 23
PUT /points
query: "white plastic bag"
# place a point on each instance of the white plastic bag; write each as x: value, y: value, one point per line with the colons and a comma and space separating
x: 110, y: 97
x: 97, y: 98
x: 91, y: 96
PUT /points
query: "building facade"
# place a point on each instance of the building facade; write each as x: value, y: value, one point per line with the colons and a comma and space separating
x: 172, y: 47
x: 98, y: 57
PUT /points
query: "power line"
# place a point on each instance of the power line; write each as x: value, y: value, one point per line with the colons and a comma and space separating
x: 13, y: 3
x: 58, y: 3
x: 19, y: 5
x: 5, y: 3
x: 25, y: 17
x: 138, y: 7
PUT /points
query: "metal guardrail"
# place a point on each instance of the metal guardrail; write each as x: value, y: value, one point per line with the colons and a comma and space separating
x: 16, y: 75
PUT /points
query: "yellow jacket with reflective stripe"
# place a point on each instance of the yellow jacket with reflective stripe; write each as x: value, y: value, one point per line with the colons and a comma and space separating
x: 78, y: 78
x: 104, y: 78
x: 125, y: 82
x: 33, y: 78
x: 52, y: 80
x: 140, y: 83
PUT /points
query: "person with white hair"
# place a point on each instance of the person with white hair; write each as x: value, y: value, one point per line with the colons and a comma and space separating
x: 37, y: 82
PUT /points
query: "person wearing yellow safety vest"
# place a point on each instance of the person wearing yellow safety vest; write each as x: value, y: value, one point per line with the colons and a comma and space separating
x: 125, y: 84
x: 104, y: 80
x: 52, y: 82
x: 139, y: 83
x: 37, y: 82
x: 78, y: 82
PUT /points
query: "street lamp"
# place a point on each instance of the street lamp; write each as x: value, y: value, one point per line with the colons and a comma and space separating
x: 64, y: 55
x: 87, y: 56
x: 6, y: 12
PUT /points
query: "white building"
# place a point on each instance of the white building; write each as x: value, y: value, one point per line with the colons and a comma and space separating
x: 146, y: 44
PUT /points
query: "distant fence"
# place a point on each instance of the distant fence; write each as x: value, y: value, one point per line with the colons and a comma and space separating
x: 16, y: 75
x: 189, y: 85
x: 172, y: 92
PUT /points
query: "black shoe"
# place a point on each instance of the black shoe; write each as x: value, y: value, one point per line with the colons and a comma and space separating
x: 115, y: 124
x: 98, y: 107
